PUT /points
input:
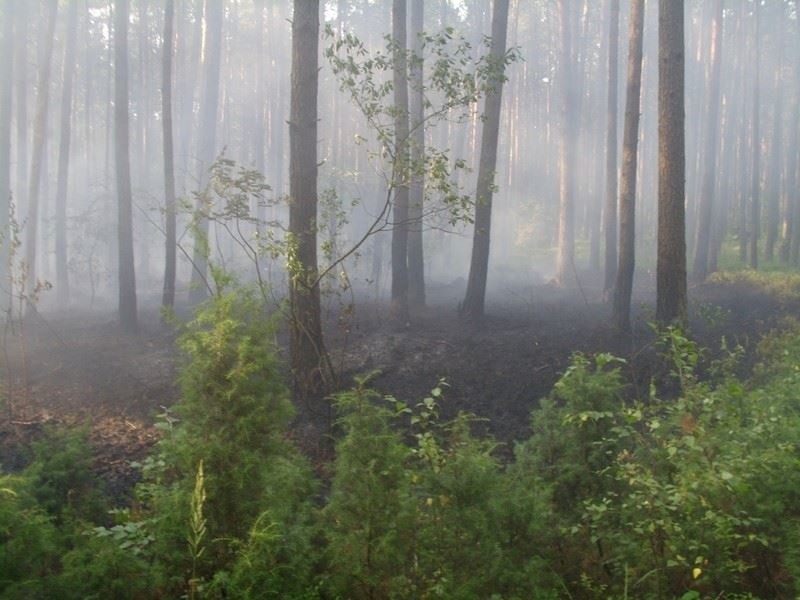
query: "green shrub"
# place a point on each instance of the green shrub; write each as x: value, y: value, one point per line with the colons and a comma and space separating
x: 233, y: 413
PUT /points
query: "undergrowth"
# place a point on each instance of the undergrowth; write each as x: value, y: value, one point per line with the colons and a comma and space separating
x: 691, y: 497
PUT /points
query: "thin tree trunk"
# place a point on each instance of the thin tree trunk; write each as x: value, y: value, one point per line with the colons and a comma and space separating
x: 37, y: 161
x: 416, y: 265
x: 6, y: 73
x: 775, y: 164
x: 168, y: 298
x: 610, y: 214
x: 307, y: 348
x: 62, y: 278
x: 399, y: 306
x: 706, y: 207
x: 755, y: 187
x: 569, y: 123
x: 473, y: 306
x: 630, y: 148
x: 127, y: 271
x: 671, y: 301
x: 206, y: 151
x: 21, y: 59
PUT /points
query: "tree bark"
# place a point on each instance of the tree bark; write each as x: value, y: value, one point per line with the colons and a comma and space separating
x: 206, y: 150
x: 623, y: 288
x: 62, y: 277
x: 37, y: 160
x: 610, y: 214
x: 671, y: 299
x: 473, y: 306
x: 168, y: 296
x: 306, y: 345
x: 127, y: 271
x: 706, y: 201
x: 400, y: 171
x: 416, y: 264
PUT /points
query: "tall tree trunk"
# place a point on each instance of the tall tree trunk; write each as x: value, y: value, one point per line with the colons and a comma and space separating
x: 416, y: 265
x: 610, y: 213
x: 569, y: 123
x: 127, y: 272
x: 39, y: 135
x: 62, y: 278
x: 168, y: 297
x: 706, y: 201
x: 206, y: 151
x: 630, y: 148
x: 399, y: 307
x: 755, y: 187
x: 6, y: 73
x: 671, y: 301
x: 307, y: 348
x: 473, y: 306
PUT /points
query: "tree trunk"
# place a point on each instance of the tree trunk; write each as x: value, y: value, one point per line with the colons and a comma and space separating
x: 39, y: 135
x: 610, y: 213
x: 565, y: 262
x: 755, y: 187
x: 6, y: 73
x: 168, y: 298
x: 62, y: 278
x: 127, y: 271
x: 206, y: 151
x: 706, y: 201
x: 473, y: 306
x: 416, y: 265
x: 399, y: 307
x: 307, y: 348
x: 630, y: 147
x: 671, y: 299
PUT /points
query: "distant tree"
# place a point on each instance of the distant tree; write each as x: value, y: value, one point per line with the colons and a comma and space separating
x: 706, y: 201
x: 306, y: 344
x: 6, y: 72
x: 671, y: 299
x: 127, y: 270
x: 474, y: 301
x: 755, y: 187
x: 569, y: 123
x: 610, y: 213
x: 416, y: 265
x: 168, y: 297
x: 399, y: 306
x: 21, y: 8
x: 39, y: 137
x: 630, y: 148
x: 207, y: 131
x: 68, y: 73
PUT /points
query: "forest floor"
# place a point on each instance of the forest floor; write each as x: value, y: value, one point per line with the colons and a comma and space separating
x: 80, y: 370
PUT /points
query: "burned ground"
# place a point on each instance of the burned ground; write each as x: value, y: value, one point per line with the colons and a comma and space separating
x: 80, y: 370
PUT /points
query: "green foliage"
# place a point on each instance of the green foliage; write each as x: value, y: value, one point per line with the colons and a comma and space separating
x: 232, y: 416
x: 370, y: 514
x: 29, y: 547
x: 61, y: 478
